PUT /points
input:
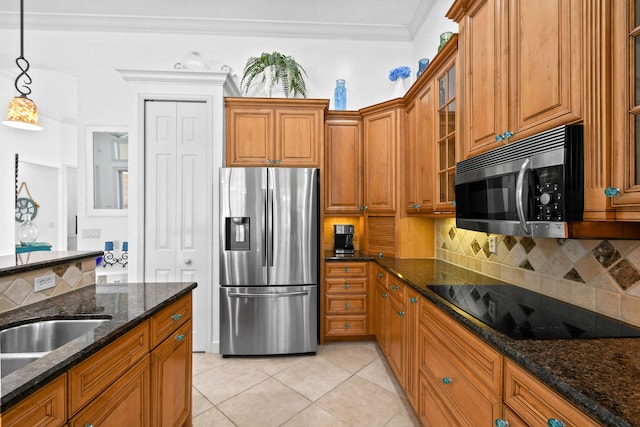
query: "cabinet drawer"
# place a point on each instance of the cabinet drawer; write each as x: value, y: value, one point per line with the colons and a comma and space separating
x: 380, y: 276
x: 125, y: 403
x: 397, y: 289
x: 45, y: 407
x: 169, y: 319
x: 345, y: 325
x: 342, y: 285
x: 475, y: 356
x: 535, y: 403
x: 346, y: 304
x: 464, y: 395
x: 346, y: 269
x: 97, y: 372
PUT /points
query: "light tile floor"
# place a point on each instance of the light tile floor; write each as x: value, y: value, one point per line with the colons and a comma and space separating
x: 344, y: 384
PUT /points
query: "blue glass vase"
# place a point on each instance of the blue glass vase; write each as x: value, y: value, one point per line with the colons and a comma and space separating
x: 340, y: 96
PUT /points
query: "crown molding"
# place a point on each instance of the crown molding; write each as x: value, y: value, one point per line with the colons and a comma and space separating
x: 209, y: 26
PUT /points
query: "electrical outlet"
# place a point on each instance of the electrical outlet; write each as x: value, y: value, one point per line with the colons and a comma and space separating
x: 91, y: 233
x: 45, y: 282
x: 493, y: 244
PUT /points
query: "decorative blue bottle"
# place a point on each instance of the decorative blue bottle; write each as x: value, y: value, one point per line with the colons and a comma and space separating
x: 340, y: 95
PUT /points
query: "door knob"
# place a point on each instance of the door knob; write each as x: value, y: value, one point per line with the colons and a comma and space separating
x: 187, y: 261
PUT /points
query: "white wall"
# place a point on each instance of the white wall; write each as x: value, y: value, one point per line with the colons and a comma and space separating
x: 427, y: 39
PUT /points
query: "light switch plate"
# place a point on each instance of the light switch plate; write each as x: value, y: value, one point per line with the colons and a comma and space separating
x: 45, y: 282
x: 493, y: 244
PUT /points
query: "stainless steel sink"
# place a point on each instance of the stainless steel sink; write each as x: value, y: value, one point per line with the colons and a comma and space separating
x: 21, y: 345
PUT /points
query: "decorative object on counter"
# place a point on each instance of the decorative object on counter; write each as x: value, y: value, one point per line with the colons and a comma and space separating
x: 27, y: 232
x: 277, y: 70
x: 444, y: 38
x: 400, y: 76
x: 25, y: 206
x: 22, y: 113
x: 110, y: 259
x: 193, y: 61
x: 33, y: 247
x: 422, y: 65
x: 340, y: 96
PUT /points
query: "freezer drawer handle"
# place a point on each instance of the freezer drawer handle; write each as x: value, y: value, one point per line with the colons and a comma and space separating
x: 284, y: 294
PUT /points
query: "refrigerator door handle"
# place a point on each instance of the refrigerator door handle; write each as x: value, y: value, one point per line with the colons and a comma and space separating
x: 264, y: 228
x: 270, y: 225
x: 282, y: 294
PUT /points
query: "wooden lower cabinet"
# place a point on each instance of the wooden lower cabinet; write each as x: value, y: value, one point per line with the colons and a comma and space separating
x: 411, y: 380
x: 346, y: 299
x: 143, y: 378
x: 123, y: 403
x: 171, y: 380
x: 45, y: 407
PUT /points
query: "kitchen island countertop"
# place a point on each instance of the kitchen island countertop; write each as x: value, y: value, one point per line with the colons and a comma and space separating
x: 127, y: 305
x: 601, y: 376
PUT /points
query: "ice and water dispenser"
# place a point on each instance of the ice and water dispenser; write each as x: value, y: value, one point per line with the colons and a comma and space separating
x: 237, y: 233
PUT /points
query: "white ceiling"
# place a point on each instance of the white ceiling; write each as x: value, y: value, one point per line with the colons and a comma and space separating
x: 352, y: 19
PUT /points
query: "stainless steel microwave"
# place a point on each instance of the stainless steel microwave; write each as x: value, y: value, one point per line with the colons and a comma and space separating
x: 531, y: 187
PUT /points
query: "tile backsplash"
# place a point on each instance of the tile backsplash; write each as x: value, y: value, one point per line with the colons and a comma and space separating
x: 599, y: 275
x: 18, y: 290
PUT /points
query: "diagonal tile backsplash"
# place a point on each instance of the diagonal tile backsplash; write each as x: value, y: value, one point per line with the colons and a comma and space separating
x: 600, y: 275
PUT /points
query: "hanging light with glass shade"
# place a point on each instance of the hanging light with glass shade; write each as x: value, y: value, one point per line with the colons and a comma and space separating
x: 22, y: 113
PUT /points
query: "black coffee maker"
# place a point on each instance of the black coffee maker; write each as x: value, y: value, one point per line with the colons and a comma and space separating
x: 343, y: 238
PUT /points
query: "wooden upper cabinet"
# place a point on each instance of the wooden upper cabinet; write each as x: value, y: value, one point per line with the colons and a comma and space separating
x: 522, y: 68
x: 431, y: 136
x: 382, y: 136
x: 274, y: 131
x: 343, y: 158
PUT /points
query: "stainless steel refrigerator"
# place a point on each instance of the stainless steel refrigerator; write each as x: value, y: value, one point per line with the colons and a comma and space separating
x: 269, y: 260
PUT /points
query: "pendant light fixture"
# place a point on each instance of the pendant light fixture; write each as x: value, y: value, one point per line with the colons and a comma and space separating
x: 22, y: 113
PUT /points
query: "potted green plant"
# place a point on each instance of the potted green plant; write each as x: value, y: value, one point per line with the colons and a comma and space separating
x: 275, y: 68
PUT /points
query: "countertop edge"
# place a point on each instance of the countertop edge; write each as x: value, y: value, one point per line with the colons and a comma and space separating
x: 501, y: 343
x: 54, y: 262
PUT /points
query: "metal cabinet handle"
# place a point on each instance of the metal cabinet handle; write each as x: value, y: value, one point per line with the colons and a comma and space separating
x: 278, y: 162
x: 394, y: 287
x: 176, y: 317
x: 346, y: 305
x: 346, y: 269
x: 554, y: 422
x: 188, y: 261
x: 415, y: 206
x: 502, y: 423
x: 401, y: 313
x: 380, y: 274
x: 384, y: 295
x: 447, y: 380
x: 346, y: 326
x: 180, y: 337
x: 346, y: 286
x: 413, y: 300
x: 507, y: 134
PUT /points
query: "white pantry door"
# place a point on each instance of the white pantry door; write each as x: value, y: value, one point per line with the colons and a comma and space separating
x: 177, y: 231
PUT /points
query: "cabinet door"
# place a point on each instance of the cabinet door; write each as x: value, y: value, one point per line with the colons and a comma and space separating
x: 381, y: 136
x: 343, y: 164
x: 124, y: 403
x: 381, y: 313
x: 411, y: 383
x: 45, y: 407
x: 250, y: 136
x: 298, y: 137
x: 483, y: 41
x: 445, y: 138
x: 419, y: 157
x: 171, y: 379
x: 396, y: 339
x: 545, y: 56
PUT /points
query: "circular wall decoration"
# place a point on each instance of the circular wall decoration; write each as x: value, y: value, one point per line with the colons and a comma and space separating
x: 24, y: 208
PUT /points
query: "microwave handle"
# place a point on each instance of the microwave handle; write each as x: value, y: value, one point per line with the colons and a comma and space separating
x: 520, y: 197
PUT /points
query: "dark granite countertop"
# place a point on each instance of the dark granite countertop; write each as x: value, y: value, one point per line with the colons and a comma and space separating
x: 600, y: 376
x: 127, y: 305
x: 20, y: 263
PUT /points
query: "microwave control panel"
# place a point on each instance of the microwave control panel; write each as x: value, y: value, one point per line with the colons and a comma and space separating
x: 549, y: 197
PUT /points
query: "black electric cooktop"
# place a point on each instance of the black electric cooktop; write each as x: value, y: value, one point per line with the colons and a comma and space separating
x: 523, y: 314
